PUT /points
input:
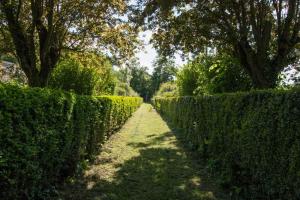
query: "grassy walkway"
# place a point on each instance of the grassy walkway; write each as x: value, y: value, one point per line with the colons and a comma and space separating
x: 144, y: 161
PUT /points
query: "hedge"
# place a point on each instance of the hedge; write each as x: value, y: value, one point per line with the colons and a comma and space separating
x: 46, y: 134
x: 250, y: 140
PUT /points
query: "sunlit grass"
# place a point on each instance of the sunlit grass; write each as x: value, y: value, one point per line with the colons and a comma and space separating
x: 144, y: 161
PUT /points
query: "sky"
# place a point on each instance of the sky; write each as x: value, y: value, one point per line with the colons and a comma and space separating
x: 147, y: 55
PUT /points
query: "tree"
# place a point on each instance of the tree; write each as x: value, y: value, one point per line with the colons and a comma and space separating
x: 164, y: 71
x: 83, y: 73
x: 41, y: 29
x: 262, y: 34
x: 141, y: 81
x: 124, y: 70
x: 167, y: 89
x: 187, y: 79
x: 212, y: 74
x: 6, y: 44
x: 123, y: 76
x: 123, y: 89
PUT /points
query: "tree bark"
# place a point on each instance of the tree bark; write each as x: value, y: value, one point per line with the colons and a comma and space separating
x: 252, y: 33
x: 37, y: 69
x: 259, y: 68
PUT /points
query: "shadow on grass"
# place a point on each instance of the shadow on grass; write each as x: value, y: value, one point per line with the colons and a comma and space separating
x: 156, y: 174
x: 155, y: 140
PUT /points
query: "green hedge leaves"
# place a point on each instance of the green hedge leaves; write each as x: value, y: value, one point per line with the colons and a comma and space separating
x: 45, y: 134
x: 251, y: 140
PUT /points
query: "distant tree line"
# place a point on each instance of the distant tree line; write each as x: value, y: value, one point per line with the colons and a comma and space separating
x: 146, y: 84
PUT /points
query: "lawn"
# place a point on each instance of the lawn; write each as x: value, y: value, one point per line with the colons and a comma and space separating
x: 144, y: 161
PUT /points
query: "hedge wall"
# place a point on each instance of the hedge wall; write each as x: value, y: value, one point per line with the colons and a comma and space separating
x: 45, y: 134
x: 251, y: 140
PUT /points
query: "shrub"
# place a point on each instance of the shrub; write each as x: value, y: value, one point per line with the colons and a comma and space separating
x: 45, y: 134
x: 124, y: 89
x: 187, y: 79
x: 212, y: 74
x: 251, y: 140
x: 83, y: 74
x: 168, y: 89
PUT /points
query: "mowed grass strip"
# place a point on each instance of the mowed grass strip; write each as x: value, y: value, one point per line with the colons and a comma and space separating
x: 144, y: 161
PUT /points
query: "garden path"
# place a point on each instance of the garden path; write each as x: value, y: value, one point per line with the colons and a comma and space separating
x: 144, y: 161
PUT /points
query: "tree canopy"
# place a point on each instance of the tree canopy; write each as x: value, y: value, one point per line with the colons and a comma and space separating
x: 41, y: 29
x: 262, y: 34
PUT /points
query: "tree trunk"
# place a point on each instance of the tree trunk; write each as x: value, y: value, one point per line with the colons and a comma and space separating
x: 41, y: 78
x: 37, y: 77
x: 261, y: 79
x: 37, y: 80
x: 37, y: 67
x: 259, y: 67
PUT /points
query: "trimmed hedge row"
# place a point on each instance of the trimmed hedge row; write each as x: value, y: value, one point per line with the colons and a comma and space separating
x: 46, y: 134
x: 250, y: 140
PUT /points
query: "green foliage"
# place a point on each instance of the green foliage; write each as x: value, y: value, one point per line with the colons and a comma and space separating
x: 212, y: 74
x: 123, y: 74
x: 251, y: 140
x: 38, y: 32
x: 124, y: 89
x: 86, y: 74
x: 187, y: 79
x: 147, y: 84
x: 262, y: 35
x: 168, y: 89
x: 6, y: 43
x: 46, y: 134
x: 8, y: 58
x: 123, y: 77
x: 141, y: 82
x: 164, y: 71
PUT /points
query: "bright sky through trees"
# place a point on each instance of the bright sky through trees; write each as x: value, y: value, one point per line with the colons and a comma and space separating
x: 147, y: 55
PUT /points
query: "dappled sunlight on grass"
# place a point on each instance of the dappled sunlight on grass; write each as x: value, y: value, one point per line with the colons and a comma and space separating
x: 144, y: 161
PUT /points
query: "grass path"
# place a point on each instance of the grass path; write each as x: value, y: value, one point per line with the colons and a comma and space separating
x: 144, y: 161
